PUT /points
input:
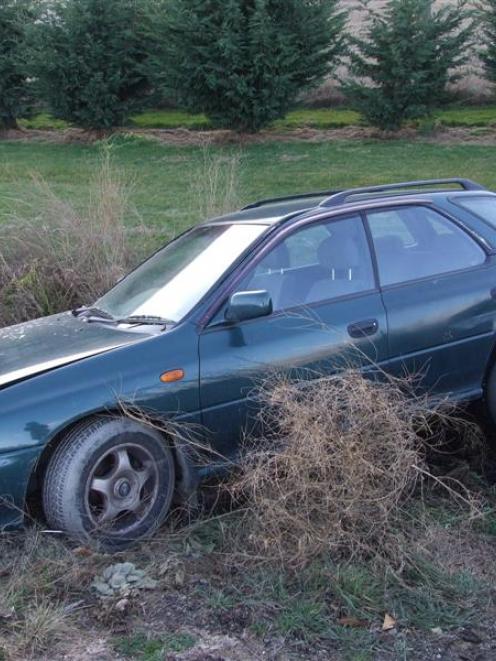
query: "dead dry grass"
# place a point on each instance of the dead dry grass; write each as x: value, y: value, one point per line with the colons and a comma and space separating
x: 443, y: 135
x: 216, y: 187
x: 38, y: 576
x: 342, y: 460
x: 54, y: 256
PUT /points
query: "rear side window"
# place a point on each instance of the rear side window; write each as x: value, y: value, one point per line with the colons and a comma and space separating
x: 390, y: 222
x: 483, y: 206
x: 417, y: 242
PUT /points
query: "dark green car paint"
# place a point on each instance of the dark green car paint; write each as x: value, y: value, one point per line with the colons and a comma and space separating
x: 251, y: 351
x: 36, y: 410
x: 66, y: 369
x: 54, y: 340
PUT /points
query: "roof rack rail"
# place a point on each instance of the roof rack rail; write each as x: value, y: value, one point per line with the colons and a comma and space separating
x: 289, y: 198
x: 342, y: 196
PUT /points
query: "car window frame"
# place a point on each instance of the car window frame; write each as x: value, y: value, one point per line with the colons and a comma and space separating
x: 461, y: 226
x: 271, y: 244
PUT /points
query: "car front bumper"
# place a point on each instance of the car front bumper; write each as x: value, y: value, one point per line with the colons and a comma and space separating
x: 16, y: 469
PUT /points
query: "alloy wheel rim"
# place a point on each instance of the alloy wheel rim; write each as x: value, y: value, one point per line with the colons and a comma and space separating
x: 121, y: 489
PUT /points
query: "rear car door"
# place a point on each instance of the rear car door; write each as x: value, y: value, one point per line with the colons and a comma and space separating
x: 328, y: 312
x: 438, y: 286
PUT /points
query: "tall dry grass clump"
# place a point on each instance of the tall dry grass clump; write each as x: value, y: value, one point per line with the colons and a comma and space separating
x: 341, y: 460
x: 216, y: 187
x: 54, y: 256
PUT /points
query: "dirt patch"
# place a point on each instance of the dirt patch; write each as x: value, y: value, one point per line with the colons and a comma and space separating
x: 205, y: 607
x: 460, y: 550
x: 190, y: 138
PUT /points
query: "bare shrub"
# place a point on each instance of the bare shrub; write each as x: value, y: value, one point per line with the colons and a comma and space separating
x: 216, y: 184
x: 54, y: 256
x: 341, y: 461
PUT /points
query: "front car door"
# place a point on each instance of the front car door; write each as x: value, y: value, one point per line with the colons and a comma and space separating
x: 327, y: 312
x: 436, y: 283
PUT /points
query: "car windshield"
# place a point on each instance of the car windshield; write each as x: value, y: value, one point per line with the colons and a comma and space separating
x: 172, y: 282
x: 483, y: 206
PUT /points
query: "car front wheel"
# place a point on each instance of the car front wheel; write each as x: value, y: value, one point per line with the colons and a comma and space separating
x: 112, y: 480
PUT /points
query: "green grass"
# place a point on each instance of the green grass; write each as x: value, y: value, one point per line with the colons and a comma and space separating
x: 170, y: 119
x: 145, y: 648
x: 307, y: 608
x: 43, y: 121
x: 163, y: 175
x: 317, y: 118
x: 467, y: 116
x: 320, y: 118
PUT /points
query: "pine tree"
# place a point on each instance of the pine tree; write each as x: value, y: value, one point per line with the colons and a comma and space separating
x: 15, y: 89
x: 245, y: 62
x: 488, y: 54
x: 92, y: 60
x: 411, y: 51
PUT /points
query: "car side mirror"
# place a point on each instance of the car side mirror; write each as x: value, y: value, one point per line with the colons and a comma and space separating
x: 248, y: 305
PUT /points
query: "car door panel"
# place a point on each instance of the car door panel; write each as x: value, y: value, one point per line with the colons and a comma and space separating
x: 437, y: 289
x: 442, y: 329
x: 328, y: 313
x: 236, y: 360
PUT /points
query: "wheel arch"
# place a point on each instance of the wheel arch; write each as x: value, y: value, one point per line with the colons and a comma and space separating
x: 187, y: 479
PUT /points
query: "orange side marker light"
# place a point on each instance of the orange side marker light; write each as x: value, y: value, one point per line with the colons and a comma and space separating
x: 172, y: 375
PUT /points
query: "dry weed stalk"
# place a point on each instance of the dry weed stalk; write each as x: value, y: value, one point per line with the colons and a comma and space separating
x: 341, y: 458
x: 54, y: 256
x: 216, y: 186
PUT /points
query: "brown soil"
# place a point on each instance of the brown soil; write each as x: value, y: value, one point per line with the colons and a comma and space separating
x: 224, y: 634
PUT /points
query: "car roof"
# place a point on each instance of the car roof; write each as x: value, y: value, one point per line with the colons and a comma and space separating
x: 272, y: 211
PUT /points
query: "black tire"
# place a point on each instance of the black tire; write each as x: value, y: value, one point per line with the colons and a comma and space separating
x: 490, y: 396
x: 104, y: 464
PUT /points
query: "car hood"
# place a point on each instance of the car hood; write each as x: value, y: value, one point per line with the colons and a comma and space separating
x: 43, y: 344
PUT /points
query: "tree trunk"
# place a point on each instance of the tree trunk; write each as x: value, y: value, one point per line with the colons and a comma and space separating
x: 9, y: 123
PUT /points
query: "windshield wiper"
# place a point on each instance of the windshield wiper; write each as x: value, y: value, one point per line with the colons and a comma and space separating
x: 93, y: 313
x: 148, y: 320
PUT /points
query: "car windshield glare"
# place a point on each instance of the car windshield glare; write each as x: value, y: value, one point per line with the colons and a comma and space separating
x: 175, y: 279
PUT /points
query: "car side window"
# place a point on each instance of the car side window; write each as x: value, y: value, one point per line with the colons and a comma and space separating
x: 482, y: 205
x: 417, y: 242
x: 314, y: 264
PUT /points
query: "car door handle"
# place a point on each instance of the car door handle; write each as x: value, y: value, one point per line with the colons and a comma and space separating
x: 363, y: 328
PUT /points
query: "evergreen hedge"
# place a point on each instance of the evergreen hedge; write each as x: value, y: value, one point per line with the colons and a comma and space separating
x: 244, y: 62
x: 410, y: 52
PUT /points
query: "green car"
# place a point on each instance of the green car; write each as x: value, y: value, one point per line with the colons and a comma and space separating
x: 402, y: 276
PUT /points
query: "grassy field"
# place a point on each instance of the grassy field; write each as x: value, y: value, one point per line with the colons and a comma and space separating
x: 163, y: 177
x: 318, y: 118
x: 205, y: 599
